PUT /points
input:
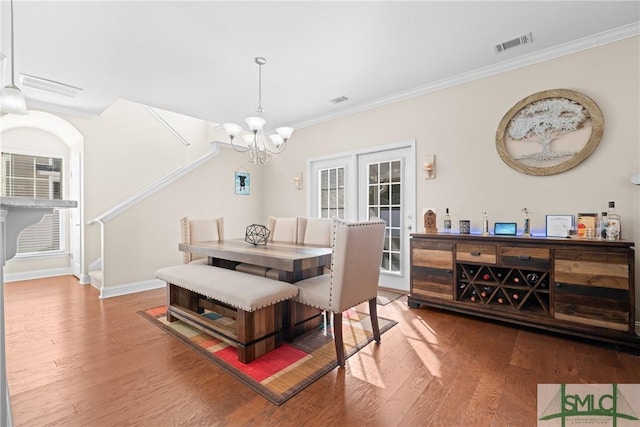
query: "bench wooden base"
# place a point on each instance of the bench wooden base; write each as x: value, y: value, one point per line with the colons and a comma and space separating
x: 252, y: 333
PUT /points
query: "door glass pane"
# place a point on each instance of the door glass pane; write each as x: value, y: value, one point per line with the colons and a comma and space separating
x: 385, y: 201
x: 373, y: 173
x: 332, y: 201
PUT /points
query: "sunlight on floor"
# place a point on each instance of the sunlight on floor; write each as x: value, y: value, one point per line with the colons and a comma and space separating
x: 425, y: 344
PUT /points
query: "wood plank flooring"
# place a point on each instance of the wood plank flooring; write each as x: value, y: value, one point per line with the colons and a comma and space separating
x: 76, y: 360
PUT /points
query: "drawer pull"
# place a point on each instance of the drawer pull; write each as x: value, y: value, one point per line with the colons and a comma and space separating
x: 475, y: 253
x: 524, y: 257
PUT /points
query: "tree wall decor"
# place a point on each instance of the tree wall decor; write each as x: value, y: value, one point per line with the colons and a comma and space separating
x: 549, y: 132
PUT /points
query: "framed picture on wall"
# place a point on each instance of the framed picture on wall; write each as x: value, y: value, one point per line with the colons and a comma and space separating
x: 243, y: 183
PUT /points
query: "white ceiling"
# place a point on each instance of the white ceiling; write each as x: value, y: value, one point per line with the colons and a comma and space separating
x: 196, y: 58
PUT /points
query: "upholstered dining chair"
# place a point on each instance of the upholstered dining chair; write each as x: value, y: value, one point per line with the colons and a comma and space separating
x: 314, y: 231
x: 355, y: 270
x: 283, y: 229
x: 200, y: 230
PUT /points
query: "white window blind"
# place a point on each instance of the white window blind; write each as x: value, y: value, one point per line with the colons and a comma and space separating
x: 40, y: 178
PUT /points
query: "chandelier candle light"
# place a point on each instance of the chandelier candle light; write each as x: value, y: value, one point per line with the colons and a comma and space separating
x: 259, y: 147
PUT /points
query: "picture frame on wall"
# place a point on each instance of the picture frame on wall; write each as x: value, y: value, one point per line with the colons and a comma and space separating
x: 243, y: 183
x: 559, y: 225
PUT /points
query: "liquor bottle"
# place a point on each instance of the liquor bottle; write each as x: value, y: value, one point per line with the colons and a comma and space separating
x: 602, y: 227
x: 447, y: 220
x: 613, y: 223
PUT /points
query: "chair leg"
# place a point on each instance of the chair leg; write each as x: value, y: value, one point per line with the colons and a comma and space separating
x: 373, y: 313
x: 337, y: 337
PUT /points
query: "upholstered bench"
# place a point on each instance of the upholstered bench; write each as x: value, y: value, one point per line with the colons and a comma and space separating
x: 247, y: 309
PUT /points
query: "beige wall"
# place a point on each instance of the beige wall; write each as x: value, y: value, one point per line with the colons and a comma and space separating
x: 145, y: 237
x: 458, y: 125
x: 126, y: 149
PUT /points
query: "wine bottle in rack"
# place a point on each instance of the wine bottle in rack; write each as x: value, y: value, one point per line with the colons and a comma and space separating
x: 532, y: 278
x: 516, y: 280
x: 486, y: 291
x: 473, y: 296
x: 486, y: 276
x: 517, y: 295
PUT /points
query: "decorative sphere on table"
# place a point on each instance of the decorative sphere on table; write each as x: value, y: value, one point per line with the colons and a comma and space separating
x: 257, y: 234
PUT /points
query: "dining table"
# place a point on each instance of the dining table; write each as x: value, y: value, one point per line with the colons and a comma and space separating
x: 291, y: 262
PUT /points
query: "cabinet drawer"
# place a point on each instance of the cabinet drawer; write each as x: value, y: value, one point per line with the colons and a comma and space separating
x: 432, y: 254
x: 601, y: 307
x: 522, y: 256
x: 432, y: 282
x: 593, y: 269
x: 476, y: 253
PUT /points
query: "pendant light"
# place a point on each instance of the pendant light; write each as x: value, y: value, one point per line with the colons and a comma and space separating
x: 11, y: 98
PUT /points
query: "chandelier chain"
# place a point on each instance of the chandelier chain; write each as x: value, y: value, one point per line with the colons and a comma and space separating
x: 259, y: 110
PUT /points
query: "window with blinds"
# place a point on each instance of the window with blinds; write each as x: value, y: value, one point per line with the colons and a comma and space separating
x: 332, y: 192
x: 40, y: 178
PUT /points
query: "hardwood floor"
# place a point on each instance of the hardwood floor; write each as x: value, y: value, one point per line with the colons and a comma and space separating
x: 76, y: 360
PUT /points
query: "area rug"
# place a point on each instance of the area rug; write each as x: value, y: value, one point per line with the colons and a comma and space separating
x: 287, y: 370
x: 385, y: 297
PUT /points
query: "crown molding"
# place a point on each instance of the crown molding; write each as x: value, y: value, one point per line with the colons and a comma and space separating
x: 606, y: 37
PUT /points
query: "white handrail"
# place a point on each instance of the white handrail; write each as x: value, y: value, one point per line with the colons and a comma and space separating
x: 154, y: 187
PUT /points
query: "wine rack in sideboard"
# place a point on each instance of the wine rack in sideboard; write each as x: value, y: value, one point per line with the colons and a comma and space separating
x: 583, y: 288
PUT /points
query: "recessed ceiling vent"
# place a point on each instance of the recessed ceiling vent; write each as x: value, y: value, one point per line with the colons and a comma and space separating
x: 339, y: 99
x: 49, y: 85
x: 525, y: 39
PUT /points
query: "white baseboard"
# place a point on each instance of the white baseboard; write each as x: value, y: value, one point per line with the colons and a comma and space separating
x: 37, y: 274
x: 84, y: 279
x: 130, y: 288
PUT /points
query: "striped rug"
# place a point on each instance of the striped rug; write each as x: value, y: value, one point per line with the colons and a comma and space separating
x: 287, y: 370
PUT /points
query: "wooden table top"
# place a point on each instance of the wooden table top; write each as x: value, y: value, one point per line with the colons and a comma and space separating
x: 290, y: 257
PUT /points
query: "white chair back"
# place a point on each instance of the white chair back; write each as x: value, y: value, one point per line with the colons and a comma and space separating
x: 283, y: 229
x: 200, y: 230
x: 314, y: 231
x: 355, y: 263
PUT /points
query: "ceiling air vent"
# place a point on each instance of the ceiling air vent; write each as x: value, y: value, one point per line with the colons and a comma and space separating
x: 339, y: 99
x: 49, y: 85
x: 525, y: 39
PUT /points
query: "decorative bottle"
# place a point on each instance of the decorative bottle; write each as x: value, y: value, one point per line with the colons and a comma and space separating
x: 527, y: 223
x: 602, y: 227
x: 485, y: 224
x: 447, y: 221
x: 613, y: 223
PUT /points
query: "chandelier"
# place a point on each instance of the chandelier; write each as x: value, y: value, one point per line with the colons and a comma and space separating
x: 259, y: 147
x: 11, y: 98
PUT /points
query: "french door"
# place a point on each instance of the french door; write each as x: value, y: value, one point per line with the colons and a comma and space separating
x: 386, y: 190
x: 376, y: 183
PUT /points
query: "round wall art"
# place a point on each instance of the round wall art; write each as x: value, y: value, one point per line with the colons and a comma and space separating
x: 549, y: 132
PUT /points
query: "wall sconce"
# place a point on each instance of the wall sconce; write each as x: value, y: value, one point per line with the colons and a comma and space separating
x: 429, y: 167
x: 297, y: 180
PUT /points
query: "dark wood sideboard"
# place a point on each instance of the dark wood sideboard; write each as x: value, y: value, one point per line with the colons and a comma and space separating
x: 577, y: 287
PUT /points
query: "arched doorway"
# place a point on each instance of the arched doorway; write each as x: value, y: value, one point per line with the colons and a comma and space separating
x: 68, y: 134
